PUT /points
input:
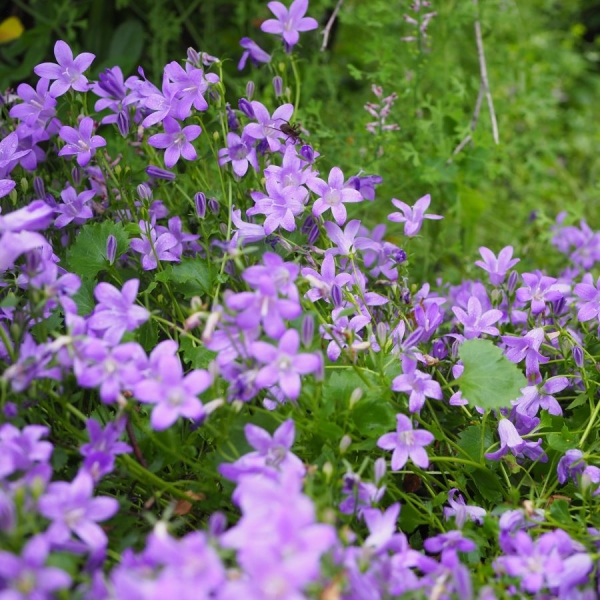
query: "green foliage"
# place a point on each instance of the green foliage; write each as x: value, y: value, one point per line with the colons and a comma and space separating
x: 489, y: 379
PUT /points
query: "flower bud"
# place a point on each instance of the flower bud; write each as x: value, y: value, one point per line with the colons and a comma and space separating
x: 144, y: 191
x: 158, y: 173
x: 250, y: 88
x: 39, y: 188
x: 313, y: 235
x: 328, y: 470
x: 217, y: 522
x: 200, y: 203
x: 345, y: 443
x: 123, y: 122
x: 193, y: 57
x: 558, y: 306
x: 308, y: 224
x: 232, y: 121
x: 308, y: 330
x: 24, y: 185
x: 307, y: 153
x: 336, y: 295
x: 111, y: 249
x: 213, y: 206
x: 438, y: 349
x: 380, y: 469
x: 355, y: 396
x: 246, y: 108
x: 278, y: 86
x: 512, y: 281
x: 381, y: 333
x: 578, y: 357
x: 77, y: 175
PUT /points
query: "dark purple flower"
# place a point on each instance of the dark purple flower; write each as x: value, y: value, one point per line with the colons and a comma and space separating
x: 116, y: 311
x: 176, y: 141
x: 526, y: 347
x: 289, y: 23
x: 81, y: 142
x: 68, y: 73
x: 253, y: 51
x: 158, y: 173
x: 406, y: 443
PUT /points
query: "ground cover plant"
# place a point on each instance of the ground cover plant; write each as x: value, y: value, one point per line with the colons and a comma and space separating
x: 219, y: 382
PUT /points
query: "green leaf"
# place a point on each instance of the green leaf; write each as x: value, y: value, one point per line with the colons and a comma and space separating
x: 84, y: 298
x: 198, y: 357
x: 87, y: 256
x: 580, y: 400
x: 373, y: 417
x: 191, y: 277
x: 559, y: 509
x: 489, y: 380
x: 126, y: 45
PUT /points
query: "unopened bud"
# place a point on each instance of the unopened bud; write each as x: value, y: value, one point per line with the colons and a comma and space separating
x: 278, y: 86
x: 217, y: 522
x: 158, y: 173
x: 246, y: 108
x: 328, y: 470
x: 250, y: 90
x: 144, y: 191
x: 559, y: 305
x: 193, y: 57
x: 380, y: 469
x: 76, y: 174
x: 381, y: 333
x: 438, y: 349
x: 213, y: 206
x: 355, y: 396
x: 308, y: 330
x: 345, y: 443
x: 313, y: 234
x: 336, y: 295
x: 512, y: 281
x: 307, y: 153
x: 24, y: 185
x: 200, y: 203
x: 111, y: 249
x: 578, y: 357
x: 123, y: 122
x: 39, y: 188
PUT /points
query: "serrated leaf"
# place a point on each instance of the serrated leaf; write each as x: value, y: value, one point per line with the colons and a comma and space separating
x: 191, y: 277
x: 87, y: 256
x: 489, y: 379
x: 198, y: 357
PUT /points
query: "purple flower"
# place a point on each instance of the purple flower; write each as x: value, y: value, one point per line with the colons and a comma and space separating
x: 102, y: 448
x: 382, y: 526
x: 191, y: 84
x: 526, y: 347
x: 6, y: 187
x: 412, y: 217
x: 406, y: 443
x: 283, y: 364
x: 26, y: 578
x: 323, y: 283
x: 117, y: 312
x: 36, y: 215
x: 497, y: 267
x: 268, y: 128
x: 289, y: 23
x: 254, y: 52
x: 176, y: 141
x: 344, y: 240
x: 81, y: 142
x: 154, y: 247
x: 332, y: 195
x: 172, y: 393
x: 241, y: 152
x: 511, y: 440
x: 37, y: 107
x: 570, y: 465
x: 534, y: 397
x: 75, y: 207
x: 72, y: 509
x: 475, y: 321
x: 540, y: 289
x: 462, y: 511
x: 68, y: 72
x: 419, y: 385
x: 449, y: 542
x: 10, y: 154
x: 21, y: 450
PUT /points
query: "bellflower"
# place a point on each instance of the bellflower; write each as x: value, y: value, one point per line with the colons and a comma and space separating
x: 322, y: 283
x: 526, y: 347
x: 6, y: 187
x: 161, y: 104
x: 154, y: 247
x: 475, y: 321
x: 345, y: 240
x: 38, y: 105
x: 75, y: 207
x: 176, y: 141
x: 103, y: 446
x: 289, y: 23
x: 268, y: 127
x: 10, y: 153
x: 540, y: 289
x: 420, y: 385
x: 116, y: 311
x: 511, y: 440
x: 462, y: 511
x: 406, y: 443
x: 68, y: 73
x: 382, y: 526
x: 192, y: 83
x: 497, y: 268
x: 241, y: 152
x: 253, y: 52
x: 81, y: 142
x: 72, y: 509
x: 412, y: 217
x: 332, y: 195
x: 21, y: 450
x: 283, y: 365
x: 534, y: 397
x: 26, y: 577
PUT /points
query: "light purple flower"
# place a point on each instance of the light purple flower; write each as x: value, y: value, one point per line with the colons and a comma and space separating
x: 81, y: 142
x: 382, y: 526
x: 38, y: 105
x: 534, y: 397
x: 103, y: 446
x: 154, y: 247
x: 406, y: 443
x: 268, y: 127
x: 191, y: 84
x: 6, y: 187
x: 345, y: 240
x: 322, y: 283
x: 497, y: 267
x: 68, y: 72
x: 72, y: 509
x: 176, y: 141
x: 10, y: 154
x: 420, y: 385
x: 254, y: 52
x: 511, y: 440
x: 412, y: 217
x: 289, y: 23
x: 75, y: 207
x: 462, y: 511
x: 172, y: 393
x: 475, y: 321
x: 332, y: 195
x: 526, y: 347
x: 116, y: 311
x: 283, y: 365
x: 540, y: 289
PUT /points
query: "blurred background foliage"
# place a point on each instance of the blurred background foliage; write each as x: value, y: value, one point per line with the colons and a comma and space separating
x: 542, y: 59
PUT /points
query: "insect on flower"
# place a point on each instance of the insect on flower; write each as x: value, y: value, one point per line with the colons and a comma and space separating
x: 292, y: 130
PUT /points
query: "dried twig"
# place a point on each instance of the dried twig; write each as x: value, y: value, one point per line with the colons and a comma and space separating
x: 473, y: 125
x: 484, y: 76
x: 329, y: 25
